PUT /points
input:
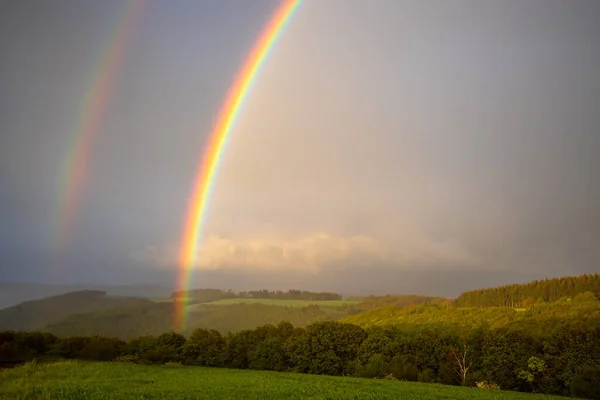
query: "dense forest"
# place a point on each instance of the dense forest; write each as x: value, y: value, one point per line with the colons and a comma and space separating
x: 524, y: 295
x: 398, y: 301
x: 538, y: 317
x: 565, y: 361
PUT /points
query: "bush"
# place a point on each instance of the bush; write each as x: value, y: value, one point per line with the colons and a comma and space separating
x: 426, y: 376
x: 402, y: 370
x: 586, y: 383
x: 487, y: 385
x: 373, y: 368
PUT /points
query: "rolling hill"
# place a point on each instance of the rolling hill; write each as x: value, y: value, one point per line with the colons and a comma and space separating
x: 154, y: 319
x: 14, y: 293
x: 37, y: 314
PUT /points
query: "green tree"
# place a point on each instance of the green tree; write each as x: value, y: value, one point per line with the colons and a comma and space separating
x: 204, y: 347
x: 535, y: 375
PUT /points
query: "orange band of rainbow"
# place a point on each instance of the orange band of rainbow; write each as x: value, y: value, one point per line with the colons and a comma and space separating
x: 215, y: 148
x: 93, y: 108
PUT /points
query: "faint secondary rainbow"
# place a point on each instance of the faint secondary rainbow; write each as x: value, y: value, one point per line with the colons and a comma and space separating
x: 215, y: 147
x: 93, y: 108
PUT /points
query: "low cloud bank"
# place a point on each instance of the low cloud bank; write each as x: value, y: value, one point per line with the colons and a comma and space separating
x: 313, y: 253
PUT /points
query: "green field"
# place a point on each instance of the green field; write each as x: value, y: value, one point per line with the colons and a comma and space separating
x: 94, y: 380
x: 160, y: 299
x: 271, y: 302
x: 284, y: 303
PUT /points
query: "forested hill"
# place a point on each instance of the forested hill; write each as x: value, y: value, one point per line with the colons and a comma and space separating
x: 397, y: 301
x: 524, y: 295
x: 36, y: 314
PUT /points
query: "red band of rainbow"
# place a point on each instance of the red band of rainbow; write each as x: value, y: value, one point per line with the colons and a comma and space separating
x: 214, y: 150
x: 93, y: 108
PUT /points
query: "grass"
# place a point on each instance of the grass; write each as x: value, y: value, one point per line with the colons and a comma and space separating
x: 112, y: 381
x: 160, y: 299
x: 272, y: 302
x: 285, y: 303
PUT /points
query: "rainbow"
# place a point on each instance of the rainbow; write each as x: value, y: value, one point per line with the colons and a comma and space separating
x: 94, y: 105
x: 206, y: 172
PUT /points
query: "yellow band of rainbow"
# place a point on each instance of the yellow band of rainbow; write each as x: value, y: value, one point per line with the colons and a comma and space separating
x: 93, y: 108
x: 214, y: 150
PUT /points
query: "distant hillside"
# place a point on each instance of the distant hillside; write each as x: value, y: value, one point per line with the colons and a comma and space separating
x: 154, y: 319
x: 538, y: 305
x: 237, y: 317
x: 123, y: 322
x: 523, y: 295
x: 36, y: 314
x: 14, y: 293
x: 202, y: 295
x: 95, y: 312
x: 339, y: 304
x: 157, y: 318
x: 398, y: 301
x: 538, y: 317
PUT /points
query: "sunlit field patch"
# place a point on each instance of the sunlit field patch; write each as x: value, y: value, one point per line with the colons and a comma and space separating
x: 284, y: 303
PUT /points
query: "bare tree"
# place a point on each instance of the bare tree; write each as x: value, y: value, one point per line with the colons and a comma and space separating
x: 463, y: 363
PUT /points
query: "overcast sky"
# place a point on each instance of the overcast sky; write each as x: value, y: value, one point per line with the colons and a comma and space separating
x: 405, y: 146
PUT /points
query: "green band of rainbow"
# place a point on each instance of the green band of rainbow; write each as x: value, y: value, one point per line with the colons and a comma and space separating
x: 216, y: 145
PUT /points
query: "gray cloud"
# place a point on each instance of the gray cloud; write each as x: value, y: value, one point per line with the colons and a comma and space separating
x: 475, y: 128
x: 381, y: 136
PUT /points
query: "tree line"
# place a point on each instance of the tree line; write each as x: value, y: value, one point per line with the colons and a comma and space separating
x: 523, y: 295
x: 565, y: 361
x: 291, y: 295
x: 398, y: 301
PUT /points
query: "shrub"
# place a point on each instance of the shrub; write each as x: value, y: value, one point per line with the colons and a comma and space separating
x: 373, y: 368
x: 390, y: 377
x: 426, y: 376
x: 487, y: 385
x: 404, y: 372
x: 585, y: 383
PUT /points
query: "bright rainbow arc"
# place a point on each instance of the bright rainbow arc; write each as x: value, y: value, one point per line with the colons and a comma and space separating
x: 93, y: 109
x: 206, y: 172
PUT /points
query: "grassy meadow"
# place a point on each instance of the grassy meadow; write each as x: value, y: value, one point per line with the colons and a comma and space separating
x: 161, y: 299
x: 95, y: 380
x: 282, y: 303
